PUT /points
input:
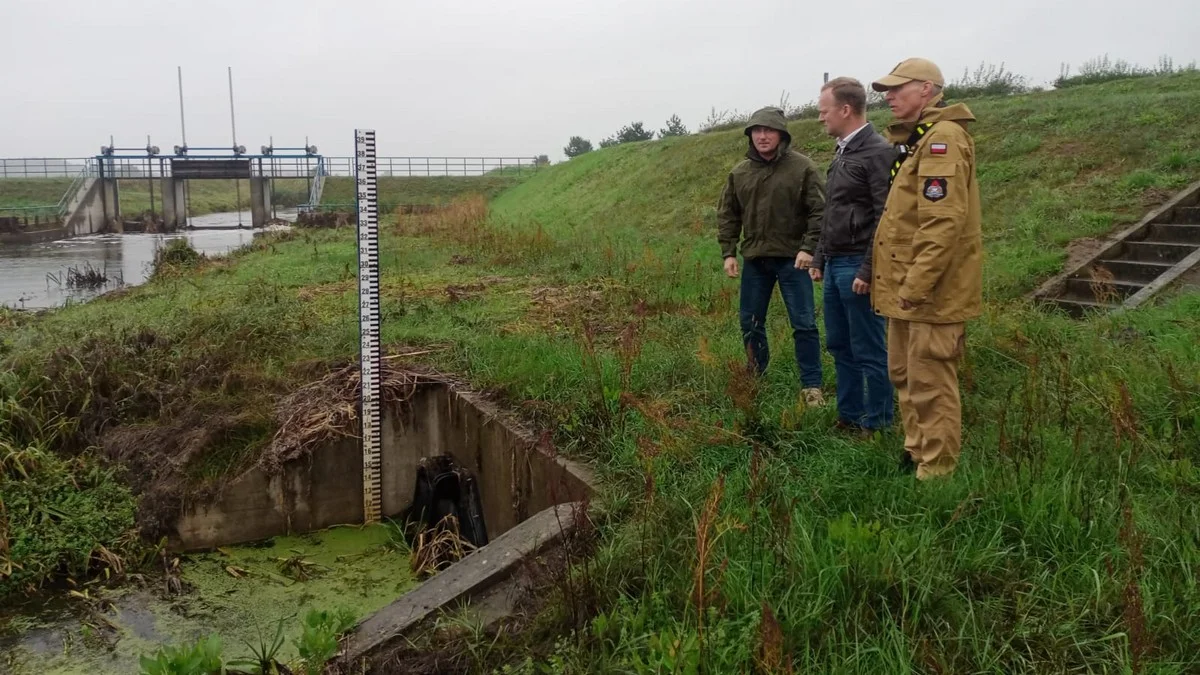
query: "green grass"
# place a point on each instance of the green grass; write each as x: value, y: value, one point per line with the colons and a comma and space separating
x: 394, y: 191
x: 591, y: 299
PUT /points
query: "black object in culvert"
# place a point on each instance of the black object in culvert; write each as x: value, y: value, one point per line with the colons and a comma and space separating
x: 446, y: 489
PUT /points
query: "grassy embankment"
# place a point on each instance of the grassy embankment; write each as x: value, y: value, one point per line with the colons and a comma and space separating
x: 736, y: 528
x: 432, y: 190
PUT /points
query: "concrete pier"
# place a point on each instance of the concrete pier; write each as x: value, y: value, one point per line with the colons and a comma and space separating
x: 174, y: 203
x: 260, y: 201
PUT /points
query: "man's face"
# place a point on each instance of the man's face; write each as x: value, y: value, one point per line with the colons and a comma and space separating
x: 765, y: 140
x: 832, y: 115
x: 908, y: 100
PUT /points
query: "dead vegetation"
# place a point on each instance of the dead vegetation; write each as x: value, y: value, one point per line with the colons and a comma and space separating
x: 438, y: 547
x: 468, y: 223
x: 318, y: 220
x: 327, y: 409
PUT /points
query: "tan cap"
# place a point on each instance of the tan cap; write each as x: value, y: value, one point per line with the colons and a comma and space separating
x: 908, y: 70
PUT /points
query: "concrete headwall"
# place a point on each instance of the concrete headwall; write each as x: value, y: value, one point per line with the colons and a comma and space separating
x: 516, y: 477
x: 92, y: 209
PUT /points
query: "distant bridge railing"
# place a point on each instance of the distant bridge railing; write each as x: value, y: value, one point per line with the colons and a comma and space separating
x: 159, y: 166
x: 42, y: 167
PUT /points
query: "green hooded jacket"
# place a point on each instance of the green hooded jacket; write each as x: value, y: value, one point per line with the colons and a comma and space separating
x: 774, y: 206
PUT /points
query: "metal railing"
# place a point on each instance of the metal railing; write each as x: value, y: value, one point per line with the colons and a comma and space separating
x: 315, y: 188
x: 81, y: 180
x: 159, y: 166
x: 84, y: 169
x: 41, y: 167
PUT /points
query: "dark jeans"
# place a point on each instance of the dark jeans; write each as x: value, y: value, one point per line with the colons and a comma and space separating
x: 759, y: 276
x: 857, y: 339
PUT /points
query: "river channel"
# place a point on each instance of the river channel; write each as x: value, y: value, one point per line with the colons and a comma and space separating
x: 34, y: 276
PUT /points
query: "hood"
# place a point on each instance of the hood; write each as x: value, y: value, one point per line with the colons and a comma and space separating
x: 771, y: 118
x: 936, y: 111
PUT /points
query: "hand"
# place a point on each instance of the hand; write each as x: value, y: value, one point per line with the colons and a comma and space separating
x: 860, y: 287
x: 731, y: 267
x: 803, y: 260
x: 815, y: 273
x: 906, y: 305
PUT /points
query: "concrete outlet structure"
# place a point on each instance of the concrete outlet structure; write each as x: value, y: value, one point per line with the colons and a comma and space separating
x: 531, y: 500
x: 517, y: 478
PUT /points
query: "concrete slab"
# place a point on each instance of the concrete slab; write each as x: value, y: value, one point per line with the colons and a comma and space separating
x: 466, y: 579
x: 517, y: 474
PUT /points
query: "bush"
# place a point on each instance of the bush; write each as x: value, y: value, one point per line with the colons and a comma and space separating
x: 674, y: 128
x: 630, y: 133
x: 987, y: 80
x: 723, y: 120
x: 177, y: 254
x: 1103, y: 69
x: 577, y: 146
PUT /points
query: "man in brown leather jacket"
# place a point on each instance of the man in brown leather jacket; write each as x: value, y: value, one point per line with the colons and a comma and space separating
x: 928, y: 261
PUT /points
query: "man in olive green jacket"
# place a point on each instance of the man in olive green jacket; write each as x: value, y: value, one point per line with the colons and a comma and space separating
x: 928, y: 261
x: 774, y: 201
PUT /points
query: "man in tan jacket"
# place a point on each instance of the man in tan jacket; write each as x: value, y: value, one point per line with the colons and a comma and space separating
x: 928, y: 261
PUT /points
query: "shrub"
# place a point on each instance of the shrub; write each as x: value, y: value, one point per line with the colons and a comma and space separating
x: 577, y: 146
x: 674, y: 127
x: 1103, y: 69
x: 176, y: 255
x: 630, y: 133
x: 987, y: 80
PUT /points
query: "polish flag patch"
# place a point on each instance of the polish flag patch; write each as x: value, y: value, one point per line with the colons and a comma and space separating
x: 937, y: 148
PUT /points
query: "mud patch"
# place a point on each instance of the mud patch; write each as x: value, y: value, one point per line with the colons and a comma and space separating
x: 325, y: 219
x: 335, y: 289
x: 567, y: 309
x: 1156, y: 196
x: 167, y: 465
x: 1082, y: 250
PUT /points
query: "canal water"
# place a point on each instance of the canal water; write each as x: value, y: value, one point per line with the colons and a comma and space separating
x: 34, y: 276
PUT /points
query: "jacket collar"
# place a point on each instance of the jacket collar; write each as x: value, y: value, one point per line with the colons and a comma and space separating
x: 936, y: 111
x: 860, y: 138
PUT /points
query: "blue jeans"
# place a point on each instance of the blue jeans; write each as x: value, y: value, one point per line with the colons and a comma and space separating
x: 857, y: 339
x: 758, y: 282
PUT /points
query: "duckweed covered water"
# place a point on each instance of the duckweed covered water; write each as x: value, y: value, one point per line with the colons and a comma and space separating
x: 239, y: 593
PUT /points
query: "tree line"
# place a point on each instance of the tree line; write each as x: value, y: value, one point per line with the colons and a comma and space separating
x: 630, y: 133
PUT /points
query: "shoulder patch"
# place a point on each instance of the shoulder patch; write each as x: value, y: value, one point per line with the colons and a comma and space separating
x: 935, y: 189
x: 937, y: 148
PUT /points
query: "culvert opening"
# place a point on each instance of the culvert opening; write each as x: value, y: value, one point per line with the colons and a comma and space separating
x: 445, y: 521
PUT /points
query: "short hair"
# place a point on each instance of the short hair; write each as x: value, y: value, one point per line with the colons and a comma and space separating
x: 848, y: 91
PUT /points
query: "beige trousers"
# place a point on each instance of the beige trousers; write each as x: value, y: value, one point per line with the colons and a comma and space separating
x: 923, y: 364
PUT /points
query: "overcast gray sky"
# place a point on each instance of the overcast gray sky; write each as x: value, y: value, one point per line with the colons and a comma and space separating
x: 502, y: 77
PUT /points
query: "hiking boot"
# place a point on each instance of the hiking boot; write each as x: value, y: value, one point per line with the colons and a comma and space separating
x: 812, y: 397
x: 841, y: 426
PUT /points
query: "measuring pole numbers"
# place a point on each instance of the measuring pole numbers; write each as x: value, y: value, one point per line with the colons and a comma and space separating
x: 368, y: 320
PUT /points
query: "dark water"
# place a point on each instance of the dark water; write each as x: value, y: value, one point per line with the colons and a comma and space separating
x: 35, y: 275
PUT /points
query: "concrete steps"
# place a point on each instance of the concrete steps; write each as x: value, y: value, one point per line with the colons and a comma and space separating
x: 1134, y: 264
